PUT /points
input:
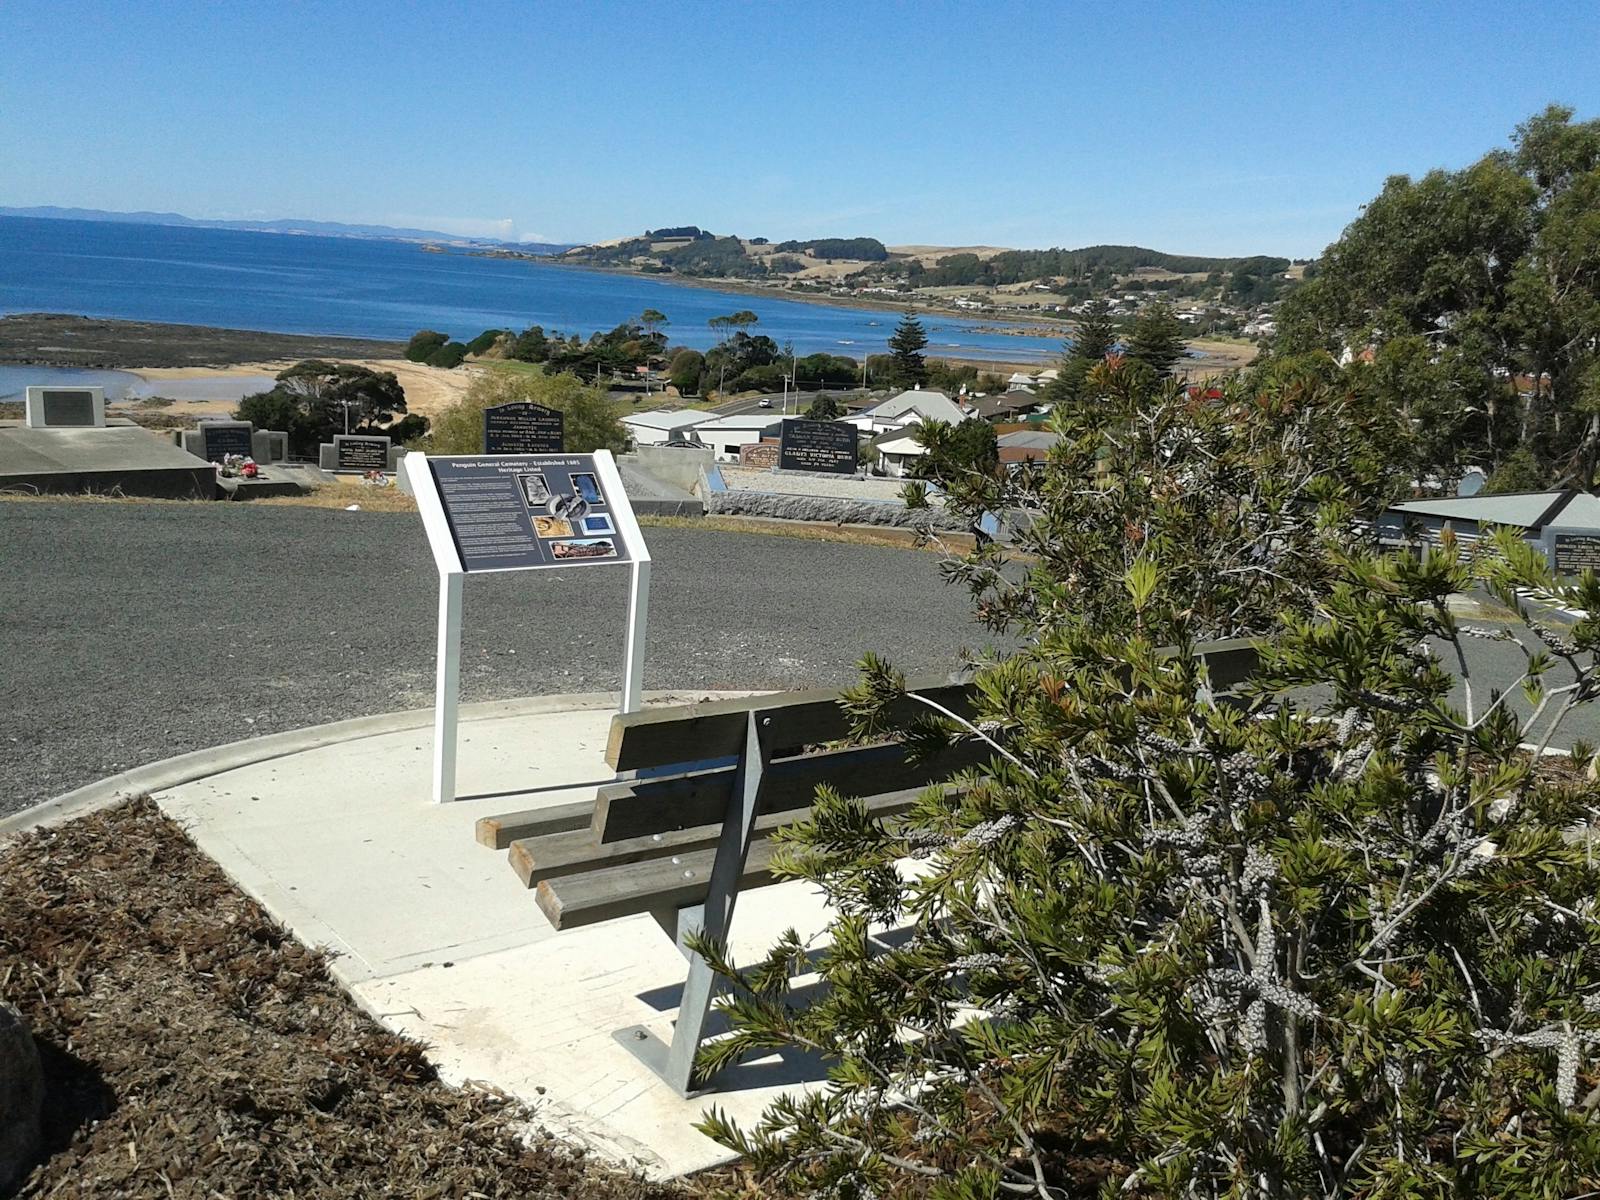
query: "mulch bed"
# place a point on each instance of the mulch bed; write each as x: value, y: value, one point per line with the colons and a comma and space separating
x: 193, y: 1048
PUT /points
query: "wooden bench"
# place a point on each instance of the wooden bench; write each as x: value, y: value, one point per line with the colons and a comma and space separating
x: 688, y: 824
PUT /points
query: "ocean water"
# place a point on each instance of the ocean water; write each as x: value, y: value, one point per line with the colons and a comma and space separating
x: 368, y: 288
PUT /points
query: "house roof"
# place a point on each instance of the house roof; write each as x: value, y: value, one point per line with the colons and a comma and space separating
x: 924, y: 402
x: 903, y: 445
x: 1039, y: 440
x: 761, y: 421
x: 1529, y: 510
x: 662, y: 419
x: 1006, y: 402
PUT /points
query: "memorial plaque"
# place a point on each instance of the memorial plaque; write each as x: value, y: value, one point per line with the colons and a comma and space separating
x: 354, y: 452
x: 521, y: 513
x: 1575, y: 552
x: 817, y: 446
x: 523, y: 428
x: 64, y: 408
x: 221, y: 438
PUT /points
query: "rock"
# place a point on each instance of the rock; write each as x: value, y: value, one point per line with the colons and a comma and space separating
x: 21, y: 1098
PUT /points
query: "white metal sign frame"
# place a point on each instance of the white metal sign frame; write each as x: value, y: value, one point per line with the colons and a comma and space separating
x: 447, y: 673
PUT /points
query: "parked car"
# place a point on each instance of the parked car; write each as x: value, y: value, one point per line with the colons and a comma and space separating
x: 766, y: 402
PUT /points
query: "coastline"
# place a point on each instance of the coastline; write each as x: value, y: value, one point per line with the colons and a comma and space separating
x: 1046, y: 325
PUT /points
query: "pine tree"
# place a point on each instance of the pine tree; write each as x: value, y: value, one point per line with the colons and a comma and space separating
x: 1157, y: 338
x: 906, y: 346
x: 1093, y: 339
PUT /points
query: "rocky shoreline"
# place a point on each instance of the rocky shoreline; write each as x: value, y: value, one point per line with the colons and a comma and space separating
x: 62, y: 340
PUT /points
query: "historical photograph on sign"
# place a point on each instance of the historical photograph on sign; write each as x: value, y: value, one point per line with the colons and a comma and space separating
x: 585, y: 548
x: 534, y: 490
x: 552, y: 527
x: 597, y: 524
x: 570, y: 508
x: 588, y: 486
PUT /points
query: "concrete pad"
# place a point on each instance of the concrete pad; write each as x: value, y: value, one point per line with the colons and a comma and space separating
x: 102, y: 459
x: 438, y: 939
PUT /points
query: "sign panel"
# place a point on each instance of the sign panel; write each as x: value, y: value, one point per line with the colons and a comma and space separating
x: 353, y: 452
x: 64, y: 408
x: 527, y: 512
x: 523, y: 428
x: 1574, y: 552
x: 221, y: 438
x: 817, y: 446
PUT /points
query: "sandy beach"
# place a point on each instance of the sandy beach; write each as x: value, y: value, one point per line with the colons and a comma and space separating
x: 429, y: 390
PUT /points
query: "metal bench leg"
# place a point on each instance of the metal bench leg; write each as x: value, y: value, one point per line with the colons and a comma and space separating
x: 675, y: 1063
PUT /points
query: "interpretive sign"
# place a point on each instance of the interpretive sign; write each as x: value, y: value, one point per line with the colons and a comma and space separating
x: 523, y: 428
x: 221, y: 438
x: 358, y: 452
x: 56, y: 408
x: 1575, y: 552
x: 817, y: 446
x: 524, y: 512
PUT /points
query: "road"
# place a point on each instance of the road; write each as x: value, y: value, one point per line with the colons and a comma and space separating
x: 133, y: 632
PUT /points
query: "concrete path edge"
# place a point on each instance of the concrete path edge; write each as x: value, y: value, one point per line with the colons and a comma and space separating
x: 198, y: 764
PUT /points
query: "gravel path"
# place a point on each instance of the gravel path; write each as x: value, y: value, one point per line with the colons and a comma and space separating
x: 133, y: 632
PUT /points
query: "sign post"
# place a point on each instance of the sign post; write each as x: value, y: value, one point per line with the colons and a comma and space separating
x: 522, y: 512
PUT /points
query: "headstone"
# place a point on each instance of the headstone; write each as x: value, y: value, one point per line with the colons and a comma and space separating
x: 817, y: 446
x: 64, y: 408
x: 523, y: 428
x: 361, y: 452
x: 763, y: 455
x: 21, y: 1098
x: 218, y: 439
x: 1571, y: 553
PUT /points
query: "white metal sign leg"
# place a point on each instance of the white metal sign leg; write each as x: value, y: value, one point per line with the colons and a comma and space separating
x: 638, y: 621
x: 447, y: 688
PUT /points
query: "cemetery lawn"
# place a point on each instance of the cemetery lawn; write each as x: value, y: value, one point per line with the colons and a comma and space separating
x: 191, y: 1047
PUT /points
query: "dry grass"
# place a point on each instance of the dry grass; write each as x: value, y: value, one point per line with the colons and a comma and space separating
x: 343, y: 495
x: 193, y: 1048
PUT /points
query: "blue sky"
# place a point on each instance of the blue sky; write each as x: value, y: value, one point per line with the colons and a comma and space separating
x: 1191, y: 127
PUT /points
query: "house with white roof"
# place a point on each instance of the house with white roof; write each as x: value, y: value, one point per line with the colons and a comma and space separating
x: 895, y: 457
x: 658, y: 426
x: 908, y: 408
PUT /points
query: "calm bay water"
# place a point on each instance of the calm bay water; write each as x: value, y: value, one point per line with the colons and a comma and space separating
x: 381, y: 289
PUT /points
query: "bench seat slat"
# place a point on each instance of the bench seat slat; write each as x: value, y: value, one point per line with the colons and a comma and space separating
x: 500, y: 831
x: 590, y: 897
x: 555, y: 855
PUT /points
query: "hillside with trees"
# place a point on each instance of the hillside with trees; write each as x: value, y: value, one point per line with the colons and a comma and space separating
x: 1469, y: 301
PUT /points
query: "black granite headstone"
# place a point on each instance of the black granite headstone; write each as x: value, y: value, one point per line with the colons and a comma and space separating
x: 523, y: 428
x: 817, y: 446
x: 1576, y: 552
x: 68, y: 407
x: 356, y: 453
x: 224, y: 438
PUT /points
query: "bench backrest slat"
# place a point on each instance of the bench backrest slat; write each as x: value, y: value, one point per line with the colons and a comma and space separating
x: 712, y: 729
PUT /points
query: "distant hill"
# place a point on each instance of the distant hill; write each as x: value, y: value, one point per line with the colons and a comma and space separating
x: 859, y: 261
x: 51, y: 212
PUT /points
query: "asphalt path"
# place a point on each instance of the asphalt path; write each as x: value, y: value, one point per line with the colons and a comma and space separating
x: 133, y: 632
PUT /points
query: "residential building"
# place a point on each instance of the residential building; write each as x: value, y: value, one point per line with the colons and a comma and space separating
x: 895, y: 457
x: 657, y: 426
x: 725, y: 435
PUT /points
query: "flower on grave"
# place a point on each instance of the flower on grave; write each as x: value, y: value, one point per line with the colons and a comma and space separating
x: 249, y: 469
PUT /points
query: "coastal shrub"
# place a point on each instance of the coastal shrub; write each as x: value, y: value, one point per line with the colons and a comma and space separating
x: 486, y: 340
x: 591, y: 418
x: 1332, y: 934
x: 424, y: 343
x: 448, y: 356
x: 684, y: 371
x: 313, y: 400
